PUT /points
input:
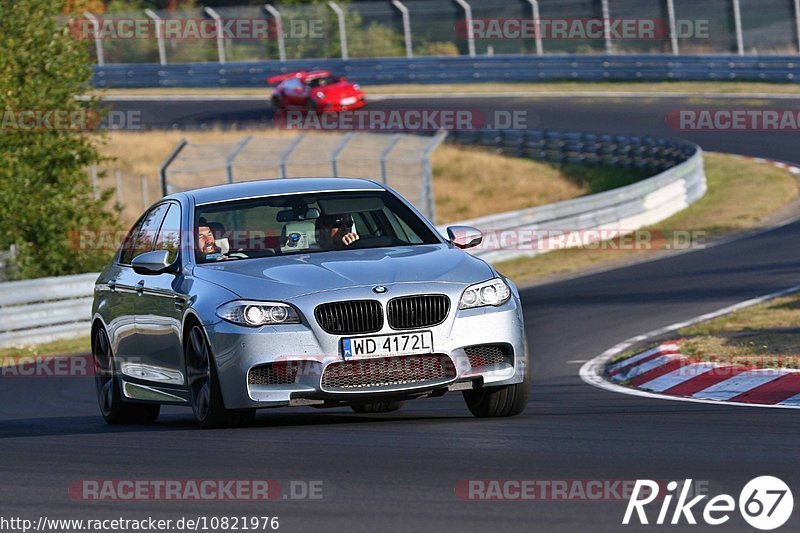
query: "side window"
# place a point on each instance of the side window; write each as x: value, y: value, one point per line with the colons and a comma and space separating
x: 169, y: 236
x: 128, y: 247
x: 144, y: 239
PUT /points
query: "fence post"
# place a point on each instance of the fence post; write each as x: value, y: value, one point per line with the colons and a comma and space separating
x: 737, y: 21
x: 342, y: 29
x: 673, y: 26
x: 607, y: 27
x: 98, y: 41
x: 167, y: 162
x: 338, y: 150
x: 470, y: 29
x: 278, y: 30
x: 232, y: 156
x: 427, y: 175
x: 797, y: 22
x: 288, y: 152
x: 145, y: 192
x: 162, y: 51
x: 93, y: 173
x: 537, y: 26
x: 385, y: 154
x: 220, y: 37
x: 118, y: 182
x: 406, y: 26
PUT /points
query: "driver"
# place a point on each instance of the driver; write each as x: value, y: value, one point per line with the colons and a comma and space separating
x: 207, y: 244
x: 335, y: 232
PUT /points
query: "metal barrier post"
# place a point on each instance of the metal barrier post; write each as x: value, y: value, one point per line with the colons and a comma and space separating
x: 427, y: 175
x: 797, y: 22
x: 278, y: 30
x: 145, y: 194
x: 342, y: 30
x: 232, y: 156
x: 220, y: 37
x: 535, y: 12
x: 673, y: 26
x: 162, y: 51
x: 288, y: 152
x: 607, y: 27
x: 470, y: 29
x: 407, y: 26
x: 385, y: 154
x: 98, y: 42
x: 737, y: 21
x: 338, y: 150
x: 167, y: 162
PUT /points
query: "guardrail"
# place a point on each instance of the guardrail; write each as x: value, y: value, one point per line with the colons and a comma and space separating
x: 680, y: 182
x: 427, y: 70
x: 46, y: 309
x: 42, y: 310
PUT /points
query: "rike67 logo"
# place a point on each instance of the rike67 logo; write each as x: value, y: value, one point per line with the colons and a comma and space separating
x: 765, y: 503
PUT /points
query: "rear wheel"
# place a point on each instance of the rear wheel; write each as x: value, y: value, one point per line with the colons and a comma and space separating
x: 377, y: 407
x: 509, y: 400
x: 204, y: 389
x: 107, y: 385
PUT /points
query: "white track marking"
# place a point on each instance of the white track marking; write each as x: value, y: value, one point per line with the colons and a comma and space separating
x: 736, y: 385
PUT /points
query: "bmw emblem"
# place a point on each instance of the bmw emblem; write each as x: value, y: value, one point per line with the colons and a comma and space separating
x: 380, y: 289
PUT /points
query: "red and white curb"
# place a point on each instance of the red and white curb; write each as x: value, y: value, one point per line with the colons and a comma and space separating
x: 665, y: 370
x: 664, y: 373
x: 779, y: 164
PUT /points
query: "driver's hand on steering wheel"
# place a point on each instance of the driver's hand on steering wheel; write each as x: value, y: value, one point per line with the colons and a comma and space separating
x: 349, y: 238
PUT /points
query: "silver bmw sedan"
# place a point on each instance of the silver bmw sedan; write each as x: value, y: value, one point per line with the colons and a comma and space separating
x: 318, y: 292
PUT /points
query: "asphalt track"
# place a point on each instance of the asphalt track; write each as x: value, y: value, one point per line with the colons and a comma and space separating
x: 398, y: 472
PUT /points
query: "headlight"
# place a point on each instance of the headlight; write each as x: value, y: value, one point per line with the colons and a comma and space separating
x: 255, y: 314
x: 492, y: 292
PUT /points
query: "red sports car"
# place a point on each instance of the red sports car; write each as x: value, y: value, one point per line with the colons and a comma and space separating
x: 316, y: 90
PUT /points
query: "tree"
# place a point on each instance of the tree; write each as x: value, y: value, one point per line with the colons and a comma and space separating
x: 47, y: 143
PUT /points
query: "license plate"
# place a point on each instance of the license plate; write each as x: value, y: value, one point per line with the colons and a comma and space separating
x: 386, y: 345
x: 349, y: 100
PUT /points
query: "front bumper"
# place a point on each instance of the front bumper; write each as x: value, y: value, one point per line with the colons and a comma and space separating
x: 310, y: 352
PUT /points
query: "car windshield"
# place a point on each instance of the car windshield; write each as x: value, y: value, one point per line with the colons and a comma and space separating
x: 305, y: 223
x: 322, y: 81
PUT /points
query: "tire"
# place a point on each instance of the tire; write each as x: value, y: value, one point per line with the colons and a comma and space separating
x: 205, y: 393
x: 377, y: 407
x: 107, y: 386
x: 276, y: 103
x: 510, y: 400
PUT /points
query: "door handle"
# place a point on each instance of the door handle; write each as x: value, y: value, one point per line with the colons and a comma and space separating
x: 140, y: 288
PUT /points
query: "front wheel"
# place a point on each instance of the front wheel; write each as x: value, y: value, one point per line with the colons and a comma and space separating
x: 204, y: 389
x: 509, y: 400
x: 107, y: 386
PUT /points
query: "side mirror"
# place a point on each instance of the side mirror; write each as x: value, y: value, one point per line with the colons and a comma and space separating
x: 464, y: 236
x: 151, y: 263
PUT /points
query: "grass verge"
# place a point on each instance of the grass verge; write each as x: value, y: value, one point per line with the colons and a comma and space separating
x: 80, y: 345
x: 763, y: 336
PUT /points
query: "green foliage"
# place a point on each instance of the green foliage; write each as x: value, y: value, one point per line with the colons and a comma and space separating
x: 46, y: 195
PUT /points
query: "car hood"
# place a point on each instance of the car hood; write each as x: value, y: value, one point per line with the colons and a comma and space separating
x: 338, y: 90
x: 286, y: 277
